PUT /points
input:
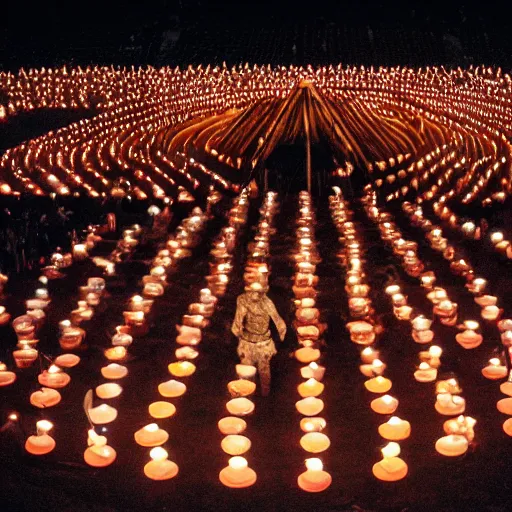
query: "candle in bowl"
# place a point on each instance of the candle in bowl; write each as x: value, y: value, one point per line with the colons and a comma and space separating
x: 79, y: 252
x: 368, y: 355
x: 42, y: 443
x: 241, y: 387
x: 307, y: 355
x: 114, y: 371
x: 232, y: 425
x: 4, y: 316
x: 506, y: 387
x: 186, y: 352
x: 310, y: 388
x: 309, y: 406
x: 452, y: 445
x: 490, y: 312
x: 435, y: 354
x: 315, y: 424
x: 313, y: 370
x: 391, y: 468
x: 172, y: 388
x: 378, y: 384
x: 315, y: 442
x: 486, y: 300
x: 376, y: 367
x: 240, y: 406
x: 425, y: 373
x: 182, y: 368
x: 45, y: 397
x: 160, y: 467
x: 116, y: 353
x: 395, y: 429
x: 237, y: 474
x: 151, y: 435
x: 469, y: 338
x: 384, y: 404
x: 102, y: 414
x: 161, y: 409
x: 25, y: 356
x: 314, y: 479
x: 108, y: 390
x: 71, y: 338
x: 494, y: 370
x: 99, y: 454
x: 446, y: 310
x: 54, y: 377
x: 505, y: 406
x: 449, y: 405
x: 235, y: 444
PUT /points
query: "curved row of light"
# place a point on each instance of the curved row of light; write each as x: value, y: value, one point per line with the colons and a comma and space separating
x: 363, y: 330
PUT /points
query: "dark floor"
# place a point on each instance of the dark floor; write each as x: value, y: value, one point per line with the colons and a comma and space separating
x: 61, y: 481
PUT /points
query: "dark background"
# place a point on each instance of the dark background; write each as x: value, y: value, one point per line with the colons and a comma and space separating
x: 172, y: 32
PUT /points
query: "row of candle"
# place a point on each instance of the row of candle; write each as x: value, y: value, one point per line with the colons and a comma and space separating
x: 237, y: 474
x: 459, y: 433
x: 495, y: 369
x: 70, y: 338
x: 309, y: 331
x: 363, y: 330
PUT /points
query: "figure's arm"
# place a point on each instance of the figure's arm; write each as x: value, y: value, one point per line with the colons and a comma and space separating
x: 238, y: 321
x: 280, y: 324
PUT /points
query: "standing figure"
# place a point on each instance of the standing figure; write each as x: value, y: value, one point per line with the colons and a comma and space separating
x: 251, y: 326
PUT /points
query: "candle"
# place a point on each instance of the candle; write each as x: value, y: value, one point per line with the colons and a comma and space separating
x: 449, y: 405
x: 79, y: 252
x: 42, y: 443
x: 232, y: 425
x: 313, y: 370
x: 160, y: 468
x: 391, y: 468
x: 99, y: 454
x: 505, y: 406
x: 368, y: 355
x: 425, y: 373
x: 237, y: 474
x: 307, y: 355
x: 235, y: 444
x: 310, y: 388
x: 446, y: 310
x: 314, y: 479
x: 4, y: 316
x: 395, y: 429
x: 115, y: 353
x: 384, y: 405
x: 497, y: 237
x: 45, y: 397
x: 315, y: 442
x: 435, y: 353
x: 506, y: 387
x: 309, y: 406
x: 469, y: 338
x: 452, y: 445
x: 102, y: 414
x: 108, y: 390
x: 241, y: 387
x: 494, y: 370
x: 182, y: 368
x: 161, y: 409
x: 186, y: 353
x: 486, y: 300
x: 71, y: 338
x: 172, y: 388
x: 378, y: 384
x: 151, y: 435
x: 54, y: 378
x: 477, y: 285
x: 491, y: 312
x: 114, y: 371
x: 25, y: 356
x: 240, y: 406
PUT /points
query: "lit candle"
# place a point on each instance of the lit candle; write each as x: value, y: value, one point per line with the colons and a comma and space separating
x: 395, y: 429
x: 449, y: 405
x: 151, y: 435
x: 237, y: 474
x: 4, y: 316
x: 44, y: 398
x: 54, y: 377
x: 99, y: 454
x: 102, y: 414
x: 42, y: 443
x: 79, y: 252
x: 114, y: 371
x: 310, y: 388
x: 182, y: 368
x: 425, y: 373
x: 469, y: 338
x: 160, y: 468
x: 384, y: 405
x: 235, y: 444
x: 315, y: 442
x: 314, y: 479
x: 378, y: 384
x: 391, y: 468
x: 313, y: 370
x: 452, y: 445
x: 494, y: 370
x: 25, y: 356
x: 368, y: 355
x: 115, y: 353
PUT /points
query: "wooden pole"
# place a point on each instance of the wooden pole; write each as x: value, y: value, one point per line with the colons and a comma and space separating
x: 308, y: 147
x: 265, y: 179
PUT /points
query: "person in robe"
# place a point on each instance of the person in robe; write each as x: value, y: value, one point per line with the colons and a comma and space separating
x: 254, y: 310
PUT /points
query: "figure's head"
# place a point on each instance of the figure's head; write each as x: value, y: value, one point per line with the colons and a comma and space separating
x: 255, y: 291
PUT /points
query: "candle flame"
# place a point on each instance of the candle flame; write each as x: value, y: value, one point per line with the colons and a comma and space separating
x: 237, y: 462
x: 314, y: 464
x: 158, y: 453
